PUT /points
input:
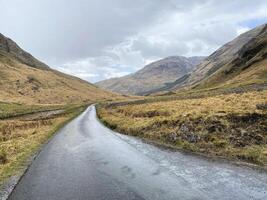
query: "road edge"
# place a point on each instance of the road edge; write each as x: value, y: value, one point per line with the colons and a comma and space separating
x: 10, y: 184
x: 197, y: 154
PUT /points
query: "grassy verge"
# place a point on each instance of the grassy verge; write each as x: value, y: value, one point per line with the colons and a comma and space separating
x: 9, y: 110
x: 228, y: 125
x: 19, y: 139
x: 188, y: 94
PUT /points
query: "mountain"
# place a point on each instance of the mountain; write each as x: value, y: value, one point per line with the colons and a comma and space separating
x: 239, y: 63
x: 24, y: 79
x: 153, y: 76
x: 9, y: 47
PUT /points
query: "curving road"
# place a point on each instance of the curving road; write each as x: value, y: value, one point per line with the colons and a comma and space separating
x: 86, y: 161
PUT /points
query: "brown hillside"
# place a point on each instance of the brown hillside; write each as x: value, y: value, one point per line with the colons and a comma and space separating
x: 24, y: 79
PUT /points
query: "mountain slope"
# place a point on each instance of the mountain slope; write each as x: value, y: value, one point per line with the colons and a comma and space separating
x: 240, y: 62
x: 25, y: 79
x: 7, y: 46
x: 153, y: 76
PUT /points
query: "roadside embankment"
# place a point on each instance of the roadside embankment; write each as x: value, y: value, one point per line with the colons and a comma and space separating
x: 232, y: 126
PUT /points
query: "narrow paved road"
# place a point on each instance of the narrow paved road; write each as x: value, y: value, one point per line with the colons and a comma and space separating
x: 86, y: 161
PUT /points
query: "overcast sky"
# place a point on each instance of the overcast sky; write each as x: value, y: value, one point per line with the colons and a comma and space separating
x: 99, y: 39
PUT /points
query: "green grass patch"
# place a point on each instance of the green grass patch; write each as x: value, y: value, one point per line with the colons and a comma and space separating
x: 9, y: 110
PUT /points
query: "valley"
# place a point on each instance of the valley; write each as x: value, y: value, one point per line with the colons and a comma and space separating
x: 198, y: 111
x: 86, y: 160
x: 35, y: 102
x: 218, y: 109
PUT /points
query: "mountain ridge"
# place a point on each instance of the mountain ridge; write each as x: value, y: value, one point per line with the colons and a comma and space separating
x: 12, y: 48
x: 231, y: 60
x: 152, y: 76
x: 239, y: 63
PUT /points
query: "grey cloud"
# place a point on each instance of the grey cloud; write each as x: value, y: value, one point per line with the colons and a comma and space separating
x: 157, y: 49
x: 98, y: 39
x: 75, y: 29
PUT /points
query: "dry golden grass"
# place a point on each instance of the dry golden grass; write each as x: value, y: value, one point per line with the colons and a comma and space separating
x: 20, y: 83
x: 254, y: 75
x: 19, y: 138
x: 233, y: 125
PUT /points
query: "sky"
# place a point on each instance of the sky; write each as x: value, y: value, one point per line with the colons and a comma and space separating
x: 101, y: 39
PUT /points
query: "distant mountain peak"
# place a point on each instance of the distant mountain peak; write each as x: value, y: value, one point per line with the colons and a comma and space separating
x: 153, y: 76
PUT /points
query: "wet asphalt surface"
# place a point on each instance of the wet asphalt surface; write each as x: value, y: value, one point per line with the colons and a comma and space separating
x: 86, y: 161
